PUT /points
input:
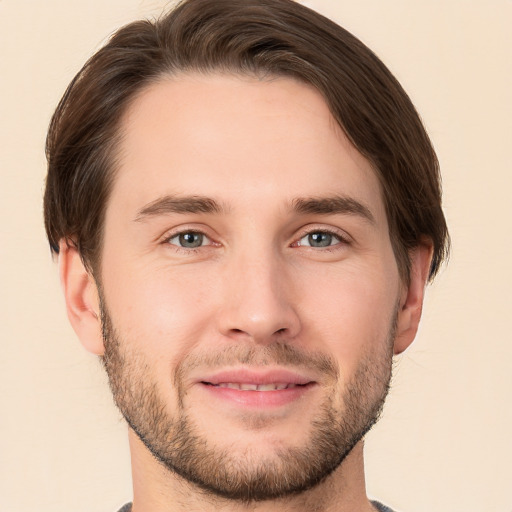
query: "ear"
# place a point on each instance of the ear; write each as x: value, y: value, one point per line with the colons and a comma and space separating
x: 411, y: 301
x: 82, y: 298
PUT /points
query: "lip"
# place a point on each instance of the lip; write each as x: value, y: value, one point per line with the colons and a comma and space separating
x: 259, y: 377
x: 299, y: 384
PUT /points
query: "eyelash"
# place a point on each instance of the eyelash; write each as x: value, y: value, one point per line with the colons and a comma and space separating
x: 342, y: 240
x: 188, y: 250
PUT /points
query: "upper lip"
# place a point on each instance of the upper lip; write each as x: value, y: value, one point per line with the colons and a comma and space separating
x: 257, y: 376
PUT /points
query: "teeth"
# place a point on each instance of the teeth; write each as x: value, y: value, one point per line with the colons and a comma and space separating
x: 248, y: 387
x: 268, y: 387
x: 255, y: 387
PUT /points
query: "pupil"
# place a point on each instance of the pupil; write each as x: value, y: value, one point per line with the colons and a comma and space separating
x: 320, y: 239
x: 191, y: 240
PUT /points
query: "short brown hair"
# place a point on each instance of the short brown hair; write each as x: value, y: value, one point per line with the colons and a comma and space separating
x: 256, y: 37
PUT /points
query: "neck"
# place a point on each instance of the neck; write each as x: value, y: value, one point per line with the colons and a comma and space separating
x: 156, y: 489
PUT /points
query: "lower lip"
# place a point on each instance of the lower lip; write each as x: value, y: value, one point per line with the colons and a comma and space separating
x: 259, y: 399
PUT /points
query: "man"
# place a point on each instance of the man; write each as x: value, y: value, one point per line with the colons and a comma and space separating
x: 246, y: 209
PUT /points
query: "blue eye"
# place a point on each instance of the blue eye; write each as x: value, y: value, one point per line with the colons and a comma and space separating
x: 189, y: 240
x: 319, y: 239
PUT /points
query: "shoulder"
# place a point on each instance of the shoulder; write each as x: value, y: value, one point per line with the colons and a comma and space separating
x: 379, y: 506
x: 126, y: 508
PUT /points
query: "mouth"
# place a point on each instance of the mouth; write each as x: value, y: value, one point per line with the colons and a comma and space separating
x: 257, y: 389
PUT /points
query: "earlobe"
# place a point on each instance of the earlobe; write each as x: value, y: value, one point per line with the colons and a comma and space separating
x: 82, y: 299
x: 411, y: 302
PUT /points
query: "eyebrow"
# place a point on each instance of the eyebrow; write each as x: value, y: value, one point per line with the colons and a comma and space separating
x: 333, y: 205
x: 201, y: 204
x: 176, y: 204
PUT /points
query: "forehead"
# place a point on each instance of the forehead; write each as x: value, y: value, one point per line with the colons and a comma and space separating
x: 239, y: 140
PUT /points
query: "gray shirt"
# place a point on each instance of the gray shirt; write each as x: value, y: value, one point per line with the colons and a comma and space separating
x: 379, y: 506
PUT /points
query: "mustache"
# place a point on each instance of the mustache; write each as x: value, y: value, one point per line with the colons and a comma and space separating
x: 277, y: 353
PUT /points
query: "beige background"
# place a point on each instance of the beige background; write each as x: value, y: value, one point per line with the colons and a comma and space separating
x: 444, y: 443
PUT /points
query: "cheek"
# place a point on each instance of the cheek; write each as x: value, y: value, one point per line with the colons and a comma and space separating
x: 351, y: 311
x: 161, y: 312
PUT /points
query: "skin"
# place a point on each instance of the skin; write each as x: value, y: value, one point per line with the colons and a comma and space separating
x: 254, y: 147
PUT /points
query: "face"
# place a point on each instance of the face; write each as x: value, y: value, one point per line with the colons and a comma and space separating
x: 248, y: 285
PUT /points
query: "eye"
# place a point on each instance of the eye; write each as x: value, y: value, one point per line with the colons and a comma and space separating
x: 189, y: 240
x: 319, y: 239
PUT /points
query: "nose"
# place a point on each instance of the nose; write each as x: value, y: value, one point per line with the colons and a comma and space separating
x: 258, y: 300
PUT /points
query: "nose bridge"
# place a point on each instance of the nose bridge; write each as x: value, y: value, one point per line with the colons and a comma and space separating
x: 258, y: 301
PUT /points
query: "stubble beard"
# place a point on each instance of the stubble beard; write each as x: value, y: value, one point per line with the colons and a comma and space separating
x: 176, y: 443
